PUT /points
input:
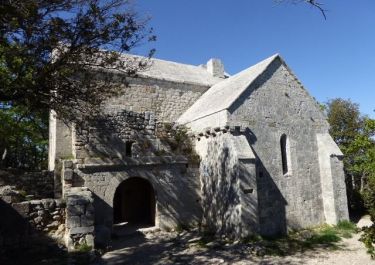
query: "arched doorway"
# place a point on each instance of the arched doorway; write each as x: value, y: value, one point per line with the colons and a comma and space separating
x: 134, y: 203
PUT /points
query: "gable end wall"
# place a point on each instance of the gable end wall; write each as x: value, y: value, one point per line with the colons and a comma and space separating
x: 277, y: 104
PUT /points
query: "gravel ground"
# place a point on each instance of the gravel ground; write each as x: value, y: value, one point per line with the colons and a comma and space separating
x: 152, y: 247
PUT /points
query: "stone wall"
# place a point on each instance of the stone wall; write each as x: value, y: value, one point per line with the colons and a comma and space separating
x: 275, y: 105
x: 139, y: 107
x: 25, y: 219
x: 24, y: 214
x: 228, y: 183
x: 118, y: 134
x: 35, y: 185
x: 46, y: 215
x: 79, y: 218
x: 168, y: 100
x: 176, y: 188
x: 122, y: 134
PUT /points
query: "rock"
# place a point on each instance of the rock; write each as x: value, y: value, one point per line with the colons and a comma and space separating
x: 9, y: 194
x: 216, y: 261
x: 38, y: 220
x: 41, y: 212
x: 89, y: 240
x: 194, y: 240
x: 82, y: 241
x: 29, y: 197
x: 53, y: 224
x: 60, y: 204
x: 81, y: 230
x: 213, y: 244
x: 56, y: 217
x: 48, y: 203
x: 61, y: 228
x: 259, y: 251
x: 68, y: 164
x: 22, y: 208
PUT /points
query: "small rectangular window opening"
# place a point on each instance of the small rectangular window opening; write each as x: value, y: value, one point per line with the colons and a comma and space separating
x: 128, y: 148
x: 284, y: 159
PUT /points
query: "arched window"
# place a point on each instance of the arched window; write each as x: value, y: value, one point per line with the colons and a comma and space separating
x: 284, y: 153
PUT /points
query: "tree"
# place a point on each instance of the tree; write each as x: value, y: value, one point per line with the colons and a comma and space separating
x: 346, y: 125
x: 23, y: 138
x: 51, y: 52
x: 355, y: 135
x: 60, y: 55
x: 365, y: 163
x: 312, y: 3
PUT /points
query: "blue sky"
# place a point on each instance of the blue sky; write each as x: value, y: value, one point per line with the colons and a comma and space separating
x: 333, y: 57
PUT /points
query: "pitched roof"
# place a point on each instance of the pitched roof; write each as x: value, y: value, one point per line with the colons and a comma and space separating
x: 172, y: 71
x: 222, y: 95
x: 185, y: 73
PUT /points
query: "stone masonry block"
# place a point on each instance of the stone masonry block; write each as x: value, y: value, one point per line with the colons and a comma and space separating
x: 68, y: 164
x: 87, y: 220
x: 73, y: 221
x: 82, y: 230
x: 75, y: 210
x: 68, y: 174
x: 22, y: 208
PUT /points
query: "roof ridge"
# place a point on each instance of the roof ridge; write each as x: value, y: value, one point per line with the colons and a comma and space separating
x: 222, y: 95
x: 174, y: 71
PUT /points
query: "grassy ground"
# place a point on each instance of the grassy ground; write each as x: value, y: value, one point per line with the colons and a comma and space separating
x: 323, y: 236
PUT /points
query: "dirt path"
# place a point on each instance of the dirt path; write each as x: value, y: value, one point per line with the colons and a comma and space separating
x: 172, y: 248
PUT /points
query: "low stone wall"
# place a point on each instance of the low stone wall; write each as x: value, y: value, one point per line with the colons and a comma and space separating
x: 46, y: 215
x: 35, y: 185
x: 20, y: 221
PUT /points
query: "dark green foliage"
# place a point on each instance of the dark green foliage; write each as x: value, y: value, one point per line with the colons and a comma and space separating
x: 50, y: 48
x: 352, y: 132
x: 50, y: 55
x: 23, y: 138
x: 368, y: 238
x: 179, y: 142
x: 355, y: 135
x: 345, y: 121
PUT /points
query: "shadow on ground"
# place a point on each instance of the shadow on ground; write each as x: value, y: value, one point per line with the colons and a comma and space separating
x: 23, y: 245
x: 189, y: 248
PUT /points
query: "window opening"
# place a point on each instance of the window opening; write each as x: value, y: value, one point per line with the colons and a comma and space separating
x: 284, y: 158
x: 128, y: 149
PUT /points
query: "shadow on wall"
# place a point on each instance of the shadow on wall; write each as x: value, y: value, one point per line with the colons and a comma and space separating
x: 176, y: 197
x: 20, y: 244
x: 219, y: 173
x: 117, y: 134
x: 226, y: 207
x: 271, y: 203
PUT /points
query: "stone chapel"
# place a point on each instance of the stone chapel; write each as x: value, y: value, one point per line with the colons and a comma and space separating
x: 188, y: 145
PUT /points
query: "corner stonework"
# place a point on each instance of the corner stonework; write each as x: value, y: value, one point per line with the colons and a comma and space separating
x: 332, y: 180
